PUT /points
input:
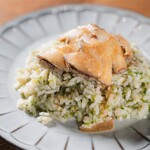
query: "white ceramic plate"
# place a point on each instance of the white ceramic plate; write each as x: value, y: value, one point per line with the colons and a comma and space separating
x: 19, y: 37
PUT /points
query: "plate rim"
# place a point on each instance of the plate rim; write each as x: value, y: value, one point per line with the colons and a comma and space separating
x: 40, y: 12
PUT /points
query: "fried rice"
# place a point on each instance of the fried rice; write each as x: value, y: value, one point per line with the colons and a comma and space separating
x: 48, y: 93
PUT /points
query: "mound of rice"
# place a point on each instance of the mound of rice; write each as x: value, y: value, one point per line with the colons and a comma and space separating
x: 47, y: 93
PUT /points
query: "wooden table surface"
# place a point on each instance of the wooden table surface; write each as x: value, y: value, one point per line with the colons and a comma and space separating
x: 10, y: 9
